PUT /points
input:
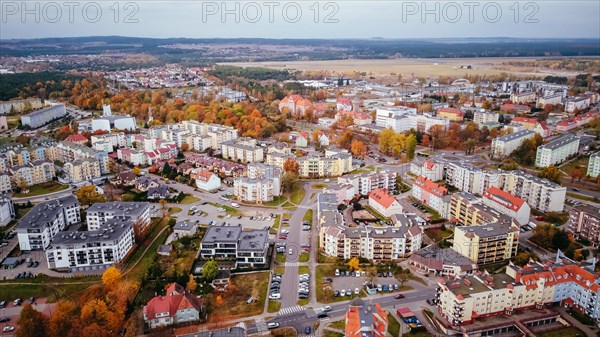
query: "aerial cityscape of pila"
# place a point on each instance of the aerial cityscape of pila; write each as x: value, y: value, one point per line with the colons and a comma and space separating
x: 293, y: 168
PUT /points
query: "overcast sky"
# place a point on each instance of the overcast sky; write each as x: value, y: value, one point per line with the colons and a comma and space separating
x: 301, y: 19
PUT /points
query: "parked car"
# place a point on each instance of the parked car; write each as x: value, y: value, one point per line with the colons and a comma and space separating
x: 337, y: 272
x: 4, y: 319
x: 8, y: 328
x: 307, y: 330
x: 272, y: 325
x: 31, y: 300
x: 18, y: 301
x: 326, y: 308
x: 3, y: 304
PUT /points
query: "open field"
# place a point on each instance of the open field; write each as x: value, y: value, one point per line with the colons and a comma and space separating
x: 412, y: 67
x: 562, y: 332
x: 43, y: 188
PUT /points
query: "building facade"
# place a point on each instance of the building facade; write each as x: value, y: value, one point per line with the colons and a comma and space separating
x: 43, y: 116
x: 505, y: 145
x: 557, y: 151
x: 246, y: 248
x: 584, y: 223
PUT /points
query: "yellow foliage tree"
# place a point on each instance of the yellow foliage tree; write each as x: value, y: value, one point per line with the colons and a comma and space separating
x: 192, y: 284
x: 111, y: 277
x: 136, y: 170
x: 353, y: 264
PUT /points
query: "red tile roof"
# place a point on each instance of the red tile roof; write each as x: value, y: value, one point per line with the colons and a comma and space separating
x: 382, y: 197
x: 516, y: 107
x: 431, y: 187
x: 203, y: 175
x: 503, y: 198
x: 175, y: 299
x: 451, y: 110
x: 77, y: 138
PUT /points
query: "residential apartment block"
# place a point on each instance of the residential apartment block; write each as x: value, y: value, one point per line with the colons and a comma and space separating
x: 490, y: 243
x: 384, y: 203
x: 69, y: 152
x: 593, y: 169
x: 387, y: 243
x: 99, y: 213
x: 112, y: 140
x: 7, y: 210
x: 5, y: 183
x: 247, y: 248
x: 35, y: 172
x: 557, y: 151
x: 481, y: 117
x: 335, y: 163
x: 584, y: 223
x: 431, y: 194
x: 505, y: 145
x: 507, y: 204
x: 577, y: 103
x: 42, y: 223
x: 454, y: 115
x: 463, y: 300
x: 43, y: 116
x: 262, y: 183
x: 364, y: 183
x: 523, y: 97
x: 81, y: 170
x: 243, y: 150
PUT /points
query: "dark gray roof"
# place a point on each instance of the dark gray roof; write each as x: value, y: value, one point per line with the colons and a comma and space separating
x: 253, y: 240
x: 131, y: 209
x: 110, y: 231
x: 184, y: 226
x: 222, y: 234
x: 44, y: 212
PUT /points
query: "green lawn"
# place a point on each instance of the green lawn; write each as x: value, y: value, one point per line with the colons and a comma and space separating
x: 275, y: 226
x: 173, y: 210
x: 53, y: 292
x: 297, y: 196
x: 189, y: 199
x: 280, y: 258
x: 562, y: 332
x: 582, y: 162
x: 279, y: 270
x: 437, y: 234
x: 277, y: 201
x: 304, y: 257
x: 308, y: 216
x: 145, y: 257
x: 581, y: 197
x: 329, y: 333
x: 43, y: 188
x: 233, y: 303
x: 273, y: 306
x: 375, y: 213
x: 318, y: 186
x: 338, y: 324
x: 302, y: 301
x: 393, y: 326
x: 303, y: 270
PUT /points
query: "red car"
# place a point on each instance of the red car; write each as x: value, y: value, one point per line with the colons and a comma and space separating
x: 282, y: 237
x: 539, y: 218
x: 398, y: 296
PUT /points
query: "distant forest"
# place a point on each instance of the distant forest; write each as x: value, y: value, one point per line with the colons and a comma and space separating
x: 323, y: 49
x: 11, y: 85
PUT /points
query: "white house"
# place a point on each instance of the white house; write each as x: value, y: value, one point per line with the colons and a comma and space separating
x: 384, y: 203
x: 177, y: 306
x: 206, y: 180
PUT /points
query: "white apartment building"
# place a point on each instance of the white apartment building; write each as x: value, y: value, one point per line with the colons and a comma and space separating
x: 115, y: 139
x: 262, y: 183
x: 43, y: 116
x: 523, y: 97
x: 38, y: 227
x: 379, y: 244
x: 5, y: 183
x: 593, y: 169
x: 216, y: 133
x: 81, y: 170
x: 335, y: 163
x: 557, y: 151
x: 364, y: 183
x: 507, y: 204
x: 132, y: 156
x: 385, y: 115
x: 247, y: 248
x: 93, y: 249
x: 505, y: 145
x: 482, y: 116
x: 577, y: 103
x: 7, y: 210
x: 551, y: 99
x: 99, y: 213
x: 243, y: 150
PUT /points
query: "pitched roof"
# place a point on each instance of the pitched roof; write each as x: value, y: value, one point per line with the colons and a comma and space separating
x: 76, y: 138
x: 451, y: 110
x: 203, y: 175
x: 175, y: 299
x: 503, y: 198
x: 381, y: 196
x: 430, y: 186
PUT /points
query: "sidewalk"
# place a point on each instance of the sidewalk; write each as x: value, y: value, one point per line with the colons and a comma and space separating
x: 589, y: 331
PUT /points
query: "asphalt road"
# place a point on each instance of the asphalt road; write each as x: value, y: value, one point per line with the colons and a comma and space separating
x: 295, y: 239
x: 299, y: 320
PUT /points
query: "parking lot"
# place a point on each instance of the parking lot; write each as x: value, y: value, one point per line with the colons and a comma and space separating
x: 409, y: 207
x: 204, y: 214
x: 352, y: 283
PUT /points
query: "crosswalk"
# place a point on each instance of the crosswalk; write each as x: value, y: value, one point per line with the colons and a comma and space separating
x: 292, y: 264
x: 261, y: 325
x: 290, y: 310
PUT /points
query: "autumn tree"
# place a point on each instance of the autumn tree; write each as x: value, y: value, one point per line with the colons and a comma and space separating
x: 185, y: 147
x: 410, y: 146
x: 353, y: 264
x: 32, y: 323
x: 192, y: 284
x: 136, y: 170
x: 425, y: 141
x: 87, y: 195
x: 385, y: 140
x: 345, y: 140
x: 65, y: 320
x: 290, y: 165
x: 551, y: 173
x: 289, y: 181
x: 96, y: 311
x: 358, y: 148
x: 210, y: 270
x: 111, y: 277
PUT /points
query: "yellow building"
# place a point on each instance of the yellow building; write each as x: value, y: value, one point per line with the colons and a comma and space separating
x: 466, y: 209
x: 494, y: 242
